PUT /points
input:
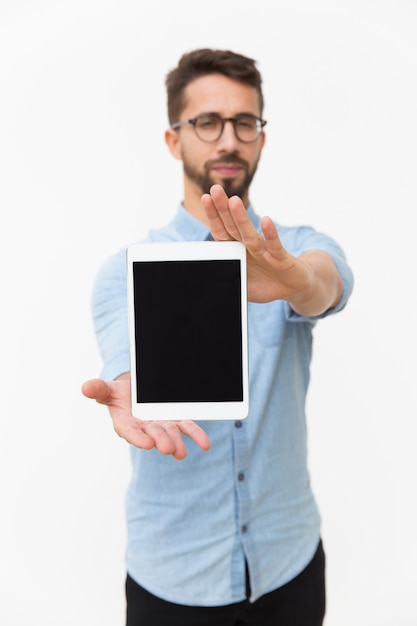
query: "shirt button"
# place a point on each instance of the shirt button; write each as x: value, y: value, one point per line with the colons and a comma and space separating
x: 241, y: 476
x: 238, y: 424
x: 244, y: 529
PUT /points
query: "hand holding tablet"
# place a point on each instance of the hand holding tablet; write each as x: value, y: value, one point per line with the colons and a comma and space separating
x: 165, y: 436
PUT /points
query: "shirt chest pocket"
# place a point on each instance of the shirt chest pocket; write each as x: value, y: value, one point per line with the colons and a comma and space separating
x: 267, y: 322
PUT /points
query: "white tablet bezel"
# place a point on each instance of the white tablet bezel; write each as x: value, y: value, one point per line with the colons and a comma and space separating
x: 179, y: 251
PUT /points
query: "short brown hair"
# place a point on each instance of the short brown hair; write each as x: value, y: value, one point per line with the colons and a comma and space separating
x: 205, y: 61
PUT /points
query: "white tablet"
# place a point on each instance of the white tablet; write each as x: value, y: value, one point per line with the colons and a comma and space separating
x: 188, y: 330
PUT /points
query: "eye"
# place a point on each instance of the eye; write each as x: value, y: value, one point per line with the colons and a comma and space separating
x: 246, y: 122
x: 207, y: 121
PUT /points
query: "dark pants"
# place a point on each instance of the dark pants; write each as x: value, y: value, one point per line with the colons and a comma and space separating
x: 301, y: 602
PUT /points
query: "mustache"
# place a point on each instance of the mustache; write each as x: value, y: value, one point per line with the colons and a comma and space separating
x: 227, y: 159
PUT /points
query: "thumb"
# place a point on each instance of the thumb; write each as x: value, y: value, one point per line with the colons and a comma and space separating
x: 96, y: 389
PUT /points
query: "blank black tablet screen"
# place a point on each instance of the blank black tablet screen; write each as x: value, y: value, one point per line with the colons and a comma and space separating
x: 188, y: 331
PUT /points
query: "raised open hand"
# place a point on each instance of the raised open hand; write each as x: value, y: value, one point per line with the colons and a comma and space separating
x: 273, y: 273
x: 310, y: 282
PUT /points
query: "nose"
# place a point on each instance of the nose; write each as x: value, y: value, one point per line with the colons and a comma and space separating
x: 228, y: 140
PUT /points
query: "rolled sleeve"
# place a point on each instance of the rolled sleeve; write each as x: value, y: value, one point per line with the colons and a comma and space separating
x: 307, y: 239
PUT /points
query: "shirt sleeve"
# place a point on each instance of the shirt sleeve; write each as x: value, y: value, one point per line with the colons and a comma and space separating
x: 110, y: 316
x: 306, y: 238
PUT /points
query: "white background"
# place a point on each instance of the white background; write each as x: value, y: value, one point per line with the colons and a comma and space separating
x: 84, y: 170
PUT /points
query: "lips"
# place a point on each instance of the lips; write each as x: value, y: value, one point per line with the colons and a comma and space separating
x: 227, y: 169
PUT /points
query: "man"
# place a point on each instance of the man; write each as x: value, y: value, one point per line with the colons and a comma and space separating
x: 231, y: 535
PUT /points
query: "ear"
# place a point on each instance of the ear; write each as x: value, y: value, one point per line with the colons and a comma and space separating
x: 173, y: 142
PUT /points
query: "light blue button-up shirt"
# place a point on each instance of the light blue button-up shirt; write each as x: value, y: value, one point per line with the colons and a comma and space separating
x: 192, y: 524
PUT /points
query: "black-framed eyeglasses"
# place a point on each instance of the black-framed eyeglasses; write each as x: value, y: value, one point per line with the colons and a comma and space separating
x: 209, y: 126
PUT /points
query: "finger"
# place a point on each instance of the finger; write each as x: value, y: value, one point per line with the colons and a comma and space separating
x: 132, y: 432
x: 254, y: 241
x: 272, y: 240
x: 222, y: 205
x: 167, y: 438
x: 248, y: 234
x: 96, y: 389
x: 216, y: 224
x: 196, y: 433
